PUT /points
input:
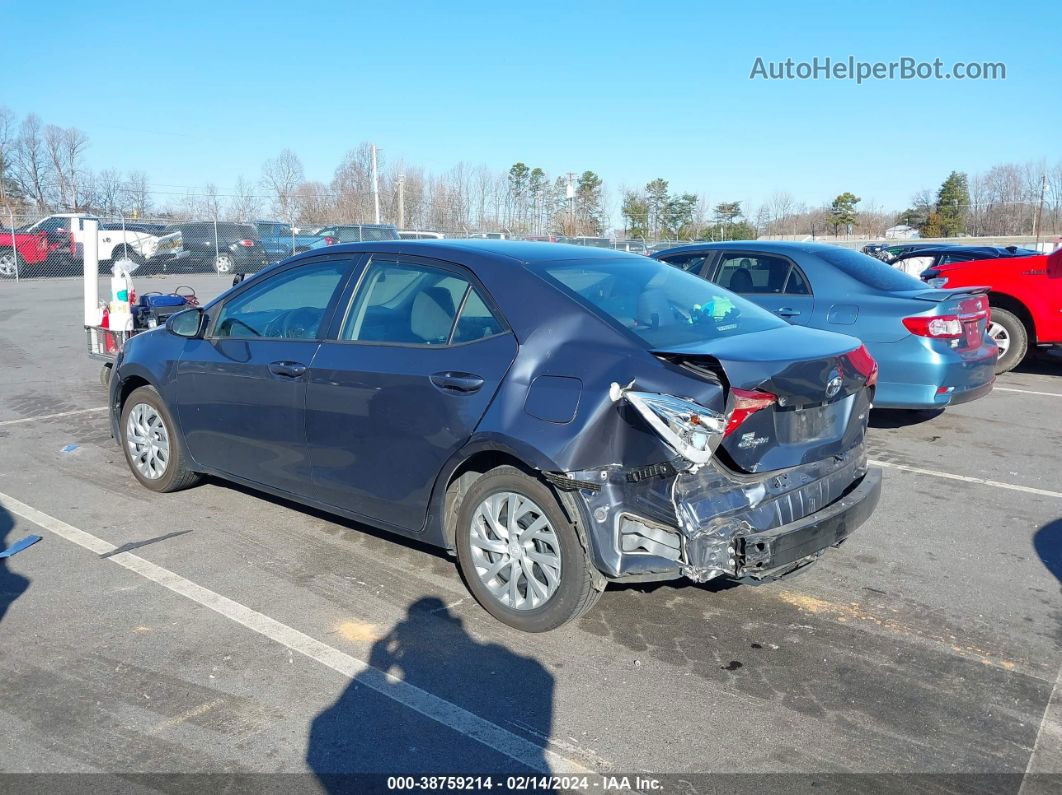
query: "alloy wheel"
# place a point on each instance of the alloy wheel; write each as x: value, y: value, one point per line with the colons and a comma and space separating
x: 515, y: 551
x: 148, y: 441
x: 1001, y: 336
x: 8, y: 266
x: 223, y: 263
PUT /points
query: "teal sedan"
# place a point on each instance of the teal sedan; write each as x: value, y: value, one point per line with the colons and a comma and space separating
x: 931, y: 345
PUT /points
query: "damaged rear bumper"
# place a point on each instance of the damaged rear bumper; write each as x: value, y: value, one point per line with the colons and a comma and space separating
x: 660, y: 522
x: 773, y: 553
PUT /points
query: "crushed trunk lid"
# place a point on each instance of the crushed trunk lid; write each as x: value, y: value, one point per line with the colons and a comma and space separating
x: 819, y: 383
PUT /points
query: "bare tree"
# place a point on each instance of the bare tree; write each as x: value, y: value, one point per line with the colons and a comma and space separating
x: 31, y: 161
x: 7, y: 156
x: 138, y: 194
x: 243, y: 205
x: 281, y: 175
x: 109, y: 194
x: 313, y: 204
x: 65, y: 148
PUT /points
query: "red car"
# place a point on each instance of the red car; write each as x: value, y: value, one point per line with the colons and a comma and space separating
x: 1026, y: 299
x: 34, y: 253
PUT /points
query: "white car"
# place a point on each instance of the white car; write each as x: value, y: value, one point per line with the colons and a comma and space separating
x: 112, y: 242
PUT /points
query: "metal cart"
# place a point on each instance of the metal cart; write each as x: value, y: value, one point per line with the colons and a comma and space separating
x: 104, y: 344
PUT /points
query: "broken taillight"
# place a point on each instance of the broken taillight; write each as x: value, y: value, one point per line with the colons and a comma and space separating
x: 746, y: 403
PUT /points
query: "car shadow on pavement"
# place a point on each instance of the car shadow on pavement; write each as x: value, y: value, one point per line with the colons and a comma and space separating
x: 902, y: 418
x: 376, y: 726
x: 12, y: 585
x: 1048, y: 545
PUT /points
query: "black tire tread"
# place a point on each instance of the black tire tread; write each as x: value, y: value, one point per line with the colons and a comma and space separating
x: 1020, y: 338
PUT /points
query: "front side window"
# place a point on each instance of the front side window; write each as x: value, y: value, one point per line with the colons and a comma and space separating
x: 686, y: 262
x: 401, y: 302
x: 289, y: 305
x: 660, y: 304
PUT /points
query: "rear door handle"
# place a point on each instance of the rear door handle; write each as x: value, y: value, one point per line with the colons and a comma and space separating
x: 287, y: 369
x: 464, y: 383
x: 787, y: 311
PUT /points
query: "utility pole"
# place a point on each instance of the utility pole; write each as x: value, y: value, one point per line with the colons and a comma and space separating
x: 401, y: 201
x: 571, y: 203
x: 1040, y: 209
x: 375, y: 184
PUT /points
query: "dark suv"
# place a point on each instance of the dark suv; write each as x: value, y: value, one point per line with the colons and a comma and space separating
x: 222, y: 247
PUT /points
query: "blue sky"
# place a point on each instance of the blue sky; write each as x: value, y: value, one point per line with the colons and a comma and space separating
x: 630, y: 90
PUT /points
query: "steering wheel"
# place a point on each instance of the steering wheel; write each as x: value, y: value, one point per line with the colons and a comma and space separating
x: 233, y: 321
x: 295, y: 324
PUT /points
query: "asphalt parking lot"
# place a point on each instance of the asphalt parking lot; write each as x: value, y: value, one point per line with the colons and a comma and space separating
x: 219, y: 630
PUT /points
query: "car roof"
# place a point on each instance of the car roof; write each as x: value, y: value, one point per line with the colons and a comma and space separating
x: 985, y: 252
x: 779, y: 246
x: 525, y: 252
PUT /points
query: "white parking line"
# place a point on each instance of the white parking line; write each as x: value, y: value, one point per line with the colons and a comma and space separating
x: 1024, y: 391
x: 1047, y: 748
x: 53, y: 416
x: 438, y: 709
x: 968, y: 479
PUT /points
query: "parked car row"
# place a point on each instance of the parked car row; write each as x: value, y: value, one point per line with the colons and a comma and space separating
x: 557, y: 417
x: 1023, y: 287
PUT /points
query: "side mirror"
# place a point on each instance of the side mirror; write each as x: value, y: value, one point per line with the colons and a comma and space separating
x: 187, y: 323
x: 239, y: 277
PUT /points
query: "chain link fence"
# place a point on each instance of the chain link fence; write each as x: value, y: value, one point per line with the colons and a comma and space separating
x: 36, y: 246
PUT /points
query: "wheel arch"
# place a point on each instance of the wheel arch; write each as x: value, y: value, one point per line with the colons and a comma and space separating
x: 470, y: 464
x: 1017, y: 308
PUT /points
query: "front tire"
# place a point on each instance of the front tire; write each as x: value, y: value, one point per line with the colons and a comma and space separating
x: 11, y: 264
x: 224, y: 264
x: 1012, y: 338
x: 519, y: 554
x: 151, y: 445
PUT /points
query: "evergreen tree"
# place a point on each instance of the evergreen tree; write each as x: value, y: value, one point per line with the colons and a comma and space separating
x: 953, y: 202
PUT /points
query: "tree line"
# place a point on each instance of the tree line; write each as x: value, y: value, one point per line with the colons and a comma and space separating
x: 44, y: 168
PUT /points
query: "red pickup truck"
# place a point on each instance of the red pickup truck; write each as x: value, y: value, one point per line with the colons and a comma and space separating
x: 1026, y: 299
x: 34, y: 253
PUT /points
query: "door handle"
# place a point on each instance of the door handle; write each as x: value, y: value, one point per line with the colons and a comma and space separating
x: 465, y: 383
x: 787, y: 311
x: 287, y: 369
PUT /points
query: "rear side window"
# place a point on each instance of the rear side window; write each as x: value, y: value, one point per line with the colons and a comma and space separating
x: 476, y: 321
x: 762, y: 274
x: 409, y: 303
x: 868, y: 270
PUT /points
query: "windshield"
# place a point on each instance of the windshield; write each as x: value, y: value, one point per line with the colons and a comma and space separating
x: 869, y: 270
x: 662, y: 305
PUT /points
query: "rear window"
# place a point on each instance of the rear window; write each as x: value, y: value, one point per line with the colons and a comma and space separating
x: 869, y: 270
x: 661, y: 305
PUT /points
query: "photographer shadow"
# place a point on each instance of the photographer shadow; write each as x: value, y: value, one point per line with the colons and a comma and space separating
x: 12, y: 585
x: 376, y: 726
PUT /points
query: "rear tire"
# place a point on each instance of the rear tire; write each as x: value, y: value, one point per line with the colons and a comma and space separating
x: 1012, y: 338
x: 488, y: 559
x: 151, y: 444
